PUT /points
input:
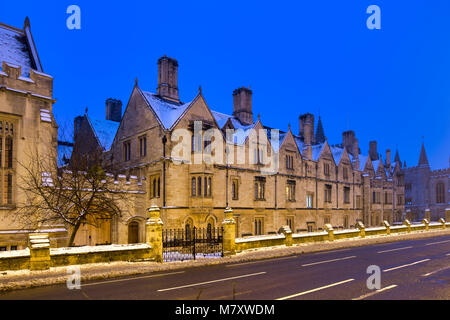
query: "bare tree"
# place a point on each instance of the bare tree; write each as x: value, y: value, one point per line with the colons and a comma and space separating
x: 76, y: 194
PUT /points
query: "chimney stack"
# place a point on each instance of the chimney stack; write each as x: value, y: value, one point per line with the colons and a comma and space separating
x: 168, y: 78
x: 373, y: 153
x: 307, y: 128
x: 113, y: 110
x: 388, y: 158
x: 242, y: 105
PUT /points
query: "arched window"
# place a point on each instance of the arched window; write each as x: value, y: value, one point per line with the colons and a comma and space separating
x: 440, y: 192
x: 193, y: 187
x: 188, y: 229
x: 199, y: 186
x: 133, y: 232
x: 154, y: 188
x: 209, y: 187
x: 159, y: 187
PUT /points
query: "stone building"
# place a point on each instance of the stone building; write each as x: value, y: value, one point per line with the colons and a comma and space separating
x: 426, y: 191
x: 270, y: 178
x: 27, y: 127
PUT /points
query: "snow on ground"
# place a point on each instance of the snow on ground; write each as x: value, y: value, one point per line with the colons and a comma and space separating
x: 11, y: 280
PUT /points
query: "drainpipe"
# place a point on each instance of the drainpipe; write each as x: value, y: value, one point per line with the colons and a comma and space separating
x: 164, y: 141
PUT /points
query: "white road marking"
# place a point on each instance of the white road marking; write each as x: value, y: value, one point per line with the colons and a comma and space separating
x: 439, y: 242
x: 404, y: 248
x: 261, y: 261
x: 406, y: 265
x: 436, y: 271
x: 314, y: 290
x: 213, y: 281
x: 375, y: 292
x: 128, y: 279
x: 327, y: 261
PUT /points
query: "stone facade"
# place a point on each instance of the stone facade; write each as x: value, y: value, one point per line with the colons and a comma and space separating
x: 427, y: 192
x: 27, y: 127
x: 313, y: 184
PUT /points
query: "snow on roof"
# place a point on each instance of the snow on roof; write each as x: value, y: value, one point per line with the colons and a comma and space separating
x: 299, y: 143
x: 105, y: 130
x: 375, y: 164
x: 337, y: 153
x: 316, y: 151
x: 362, y: 162
x: 221, y: 118
x: 241, y: 131
x: 167, y: 111
x: 14, y: 49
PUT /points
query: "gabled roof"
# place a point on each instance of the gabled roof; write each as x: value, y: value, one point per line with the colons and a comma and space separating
x: 317, y: 151
x: 104, y: 130
x: 17, y: 48
x: 168, y: 112
x: 337, y: 154
x: 363, y: 160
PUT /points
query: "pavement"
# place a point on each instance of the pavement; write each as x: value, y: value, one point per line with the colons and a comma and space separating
x: 414, y: 268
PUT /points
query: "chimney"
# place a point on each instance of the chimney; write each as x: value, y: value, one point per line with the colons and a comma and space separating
x: 373, y: 153
x: 242, y: 105
x: 307, y: 128
x: 388, y: 158
x: 76, y: 127
x: 348, y: 139
x: 168, y: 78
x: 113, y: 110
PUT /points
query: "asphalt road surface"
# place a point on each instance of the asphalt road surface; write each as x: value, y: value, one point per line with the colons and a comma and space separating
x: 413, y: 269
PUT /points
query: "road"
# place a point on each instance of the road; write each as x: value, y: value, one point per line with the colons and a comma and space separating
x: 413, y: 269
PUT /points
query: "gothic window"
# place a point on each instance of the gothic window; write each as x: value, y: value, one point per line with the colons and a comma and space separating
x: 290, y: 222
x: 259, y: 188
x: 440, y: 193
x: 326, y: 169
x: 259, y: 226
x: 358, y: 202
x: 143, y: 146
x: 127, y: 151
x: 290, y: 190
x: 345, y: 173
x: 327, y: 195
x: 193, y: 187
x: 289, y: 162
x: 155, y: 187
x: 235, y: 190
x: 6, y: 161
x: 346, y: 195
x: 309, y: 200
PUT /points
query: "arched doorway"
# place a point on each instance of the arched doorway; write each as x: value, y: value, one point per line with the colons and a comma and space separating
x: 210, y: 228
x: 133, y: 232
x: 188, y: 228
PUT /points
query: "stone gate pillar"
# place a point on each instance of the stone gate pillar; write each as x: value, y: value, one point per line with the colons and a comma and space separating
x: 229, y: 233
x: 154, y: 233
x: 39, y: 251
x: 387, y: 226
x: 329, y: 228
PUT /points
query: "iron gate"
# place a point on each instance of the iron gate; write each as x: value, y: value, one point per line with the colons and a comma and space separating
x: 190, y: 244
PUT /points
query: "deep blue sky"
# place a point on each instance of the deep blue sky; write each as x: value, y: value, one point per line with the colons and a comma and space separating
x: 392, y: 85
